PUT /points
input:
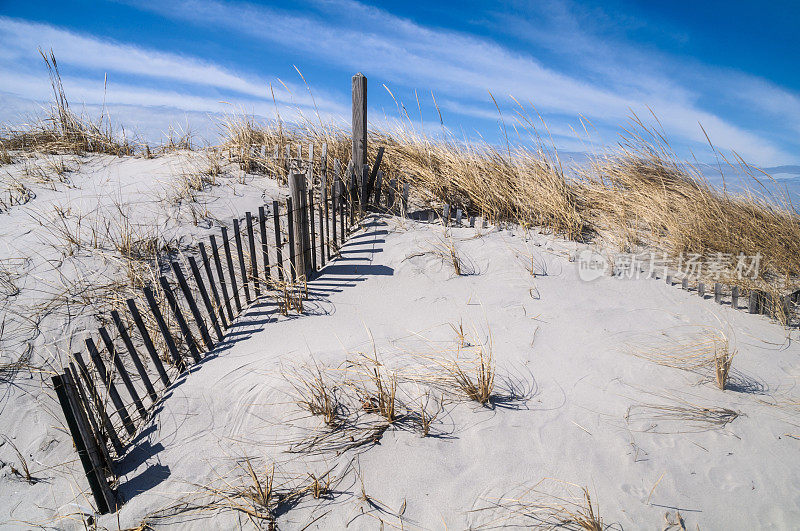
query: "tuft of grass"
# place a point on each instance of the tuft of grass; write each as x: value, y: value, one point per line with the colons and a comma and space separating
x: 540, y: 509
x: 480, y: 386
x: 316, y: 395
x: 723, y: 358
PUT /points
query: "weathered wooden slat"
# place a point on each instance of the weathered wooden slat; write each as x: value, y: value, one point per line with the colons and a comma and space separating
x: 137, y: 362
x: 231, y: 272
x: 123, y: 373
x: 187, y: 294
x: 718, y: 293
x: 183, y: 326
x: 165, y: 331
x: 221, y: 274
x: 406, y: 189
x: 701, y: 290
x: 220, y: 311
x: 459, y: 214
x: 378, y: 190
x: 253, y: 259
x: 96, y: 430
x: 201, y: 287
x: 108, y: 427
x: 276, y: 218
x: 735, y: 297
x: 237, y: 234
x: 148, y: 342
x: 325, y: 211
x: 92, y: 468
x: 290, y: 226
x: 312, y: 234
x: 321, y: 212
x: 100, y: 367
x: 262, y: 225
x: 685, y: 283
x: 390, y: 198
x: 373, y: 177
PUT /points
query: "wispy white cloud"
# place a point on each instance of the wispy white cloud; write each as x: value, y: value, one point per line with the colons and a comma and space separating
x: 463, y: 67
x: 202, y: 85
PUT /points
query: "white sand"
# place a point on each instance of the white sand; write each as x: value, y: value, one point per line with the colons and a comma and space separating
x: 561, y: 340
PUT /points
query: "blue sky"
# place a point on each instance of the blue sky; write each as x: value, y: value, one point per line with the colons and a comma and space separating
x: 584, y: 66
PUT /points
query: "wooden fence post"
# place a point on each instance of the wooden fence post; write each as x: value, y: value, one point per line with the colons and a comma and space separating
x: 290, y: 216
x: 359, y: 132
x: 735, y: 297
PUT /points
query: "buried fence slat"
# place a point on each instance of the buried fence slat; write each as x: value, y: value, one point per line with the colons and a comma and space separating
x: 262, y: 225
x: 718, y: 293
x: 685, y: 283
x: 668, y: 279
x: 221, y: 274
x: 172, y: 302
x: 162, y: 326
x: 290, y: 226
x: 229, y: 260
x: 148, y: 342
x: 701, y: 290
x: 278, y: 238
x: 735, y: 297
x: 406, y: 188
x: 431, y: 215
x: 110, y: 432
x: 96, y: 431
x: 100, y: 367
x: 237, y: 235
x: 472, y: 222
x: 253, y: 259
x: 137, y: 362
x: 100, y: 490
x: 220, y: 311
x: 459, y: 214
x: 123, y: 372
x: 187, y: 294
x: 446, y: 215
x: 201, y: 287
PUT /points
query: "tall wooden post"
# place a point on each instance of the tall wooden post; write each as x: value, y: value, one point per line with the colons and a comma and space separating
x: 359, y: 125
x: 297, y: 189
